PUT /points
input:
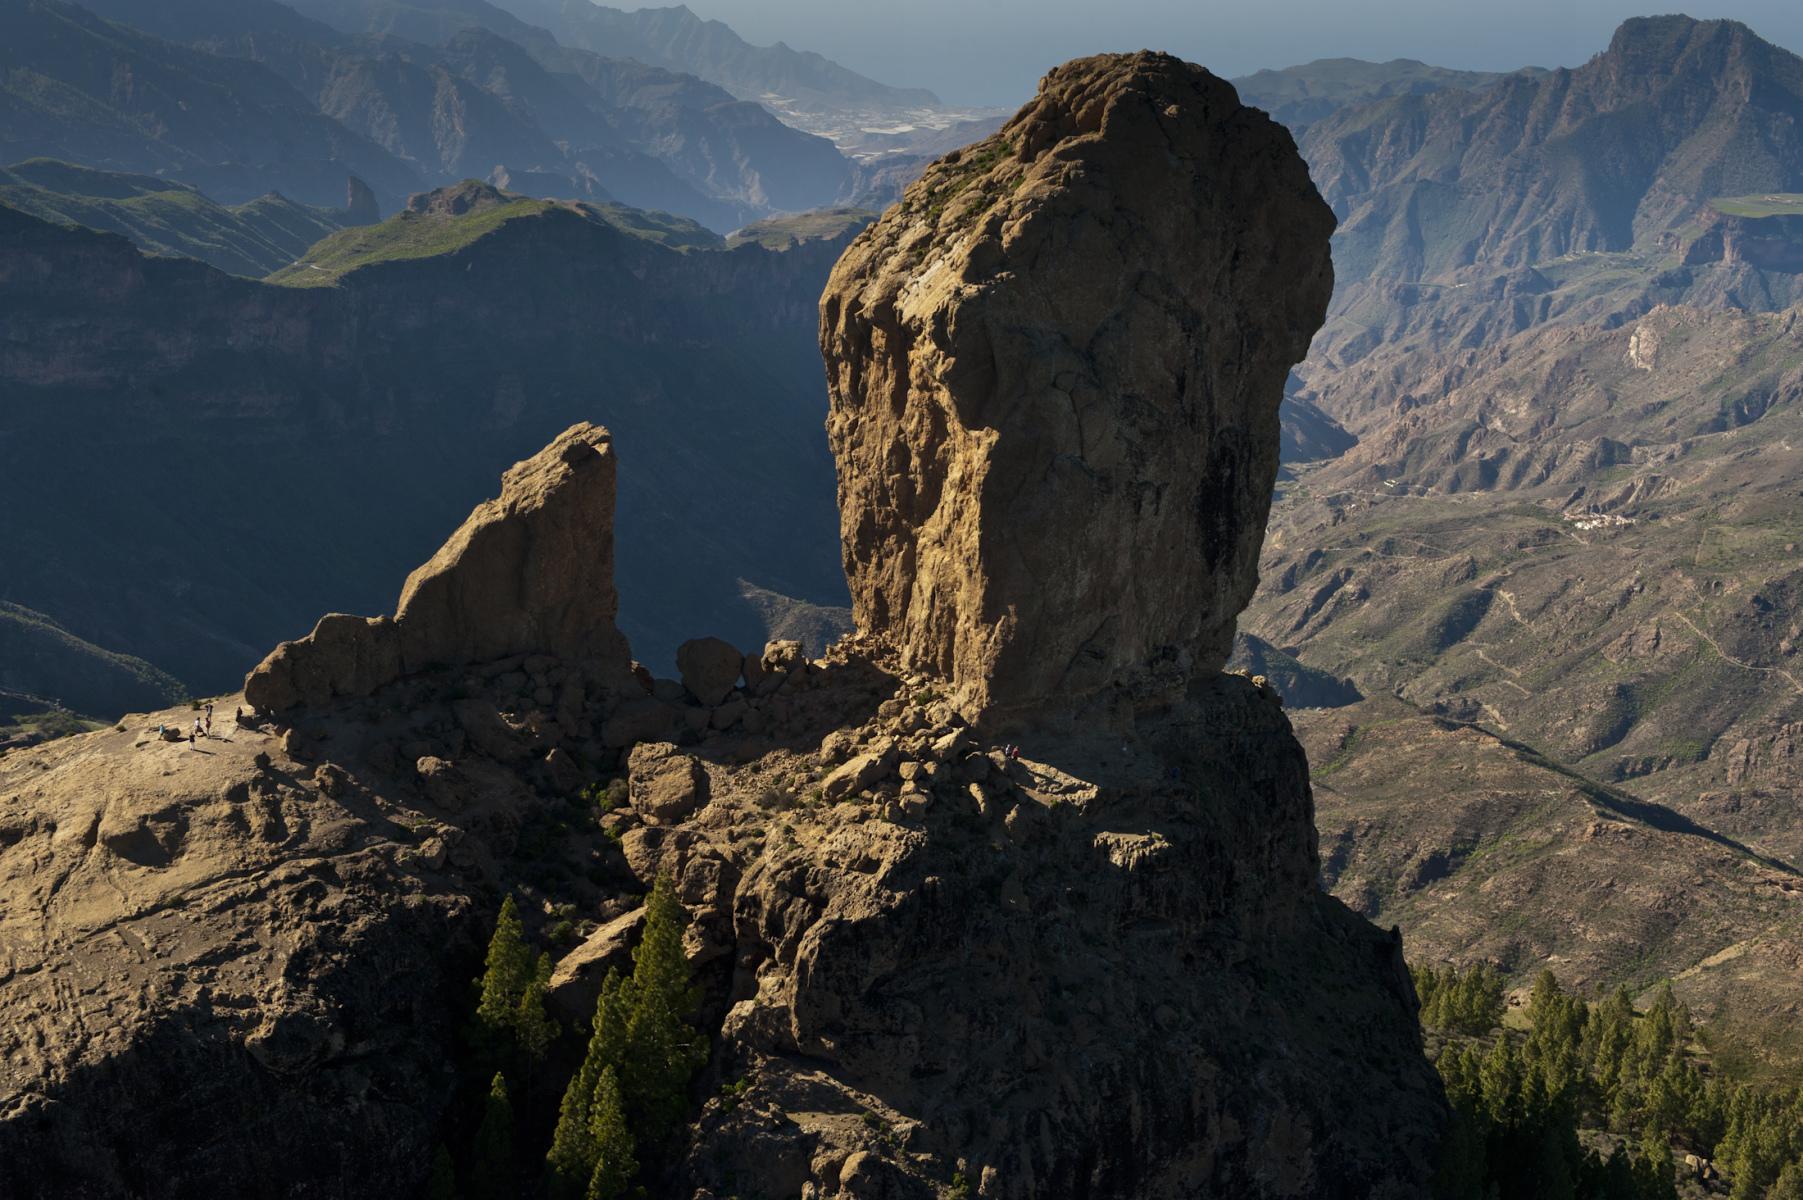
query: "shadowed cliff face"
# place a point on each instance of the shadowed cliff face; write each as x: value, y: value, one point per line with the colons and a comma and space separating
x: 1055, y: 371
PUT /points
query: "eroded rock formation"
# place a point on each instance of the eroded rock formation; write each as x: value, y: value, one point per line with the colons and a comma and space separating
x: 1098, y: 967
x: 1055, y: 369
x: 531, y: 572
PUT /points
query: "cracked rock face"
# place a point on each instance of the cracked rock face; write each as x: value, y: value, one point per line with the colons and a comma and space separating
x: 530, y: 572
x: 1055, y: 369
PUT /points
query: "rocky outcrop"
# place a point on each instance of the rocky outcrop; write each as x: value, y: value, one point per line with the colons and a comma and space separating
x: 1101, y: 968
x: 1095, y: 963
x: 1773, y: 243
x: 528, y: 573
x: 1055, y: 370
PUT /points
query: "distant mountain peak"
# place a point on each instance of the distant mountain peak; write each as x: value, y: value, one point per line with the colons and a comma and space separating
x: 1604, y: 157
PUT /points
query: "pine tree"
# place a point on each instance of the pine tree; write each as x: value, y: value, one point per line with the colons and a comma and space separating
x: 1548, y: 1173
x: 507, y: 971
x: 1500, y: 1080
x: 1462, y: 1170
x: 663, y: 1051
x: 1656, y: 1172
x: 491, y: 1164
x: 1789, y: 1185
x: 1618, y: 1182
x: 533, y: 1028
x: 573, y: 1151
x: 615, y: 1162
x: 641, y: 1033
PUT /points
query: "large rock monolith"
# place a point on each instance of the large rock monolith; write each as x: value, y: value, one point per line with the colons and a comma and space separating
x: 1055, y: 368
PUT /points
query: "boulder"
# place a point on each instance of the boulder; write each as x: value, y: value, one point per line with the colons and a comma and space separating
x: 858, y: 774
x: 530, y: 572
x: 1054, y: 371
x: 667, y: 785
x: 446, y: 786
x: 567, y: 775
x: 343, y: 656
x: 487, y: 732
x: 710, y: 668
x: 575, y: 982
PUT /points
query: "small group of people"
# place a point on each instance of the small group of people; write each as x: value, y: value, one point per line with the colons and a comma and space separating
x: 203, y: 727
x: 1011, y: 751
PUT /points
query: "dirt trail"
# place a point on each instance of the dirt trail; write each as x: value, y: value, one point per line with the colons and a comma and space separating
x: 1731, y: 660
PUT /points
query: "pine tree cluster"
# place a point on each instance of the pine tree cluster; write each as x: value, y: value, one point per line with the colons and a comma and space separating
x: 512, y: 1030
x: 1469, y: 1002
x: 629, y: 1099
x: 1519, y: 1101
x: 626, y: 1104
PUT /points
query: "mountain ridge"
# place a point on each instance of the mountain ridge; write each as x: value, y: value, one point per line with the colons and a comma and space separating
x: 251, y: 239
x: 487, y: 94
x: 282, y: 386
x: 1594, y: 158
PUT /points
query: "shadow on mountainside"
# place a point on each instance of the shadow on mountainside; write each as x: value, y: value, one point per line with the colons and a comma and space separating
x: 1622, y: 804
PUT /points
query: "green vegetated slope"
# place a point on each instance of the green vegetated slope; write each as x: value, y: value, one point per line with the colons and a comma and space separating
x: 455, y: 218
x: 1770, y: 205
x: 44, y: 667
x: 162, y: 217
x: 406, y: 235
x: 362, y: 435
x: 780, y: 233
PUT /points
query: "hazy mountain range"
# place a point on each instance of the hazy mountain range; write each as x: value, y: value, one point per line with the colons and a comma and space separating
x: 243, y: 98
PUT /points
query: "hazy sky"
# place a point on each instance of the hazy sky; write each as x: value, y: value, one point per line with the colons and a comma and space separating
x: 993, y: 51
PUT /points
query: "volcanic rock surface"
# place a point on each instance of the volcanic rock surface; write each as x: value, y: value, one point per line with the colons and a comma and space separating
x: 1055, y: 369
x: 529, y: 572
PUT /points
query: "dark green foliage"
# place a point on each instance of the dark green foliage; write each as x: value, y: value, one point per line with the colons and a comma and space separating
x: 506, y: 971
x: 642, y: 1041
x: 615, y: 1160
x: 533, y: 1028
x: 491, y: 1167
x: 1520, y: 1101
x: 606, y: 797
x: 1469, y: 1002
x: 512, y: 1031
x: 1763, y: 1139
